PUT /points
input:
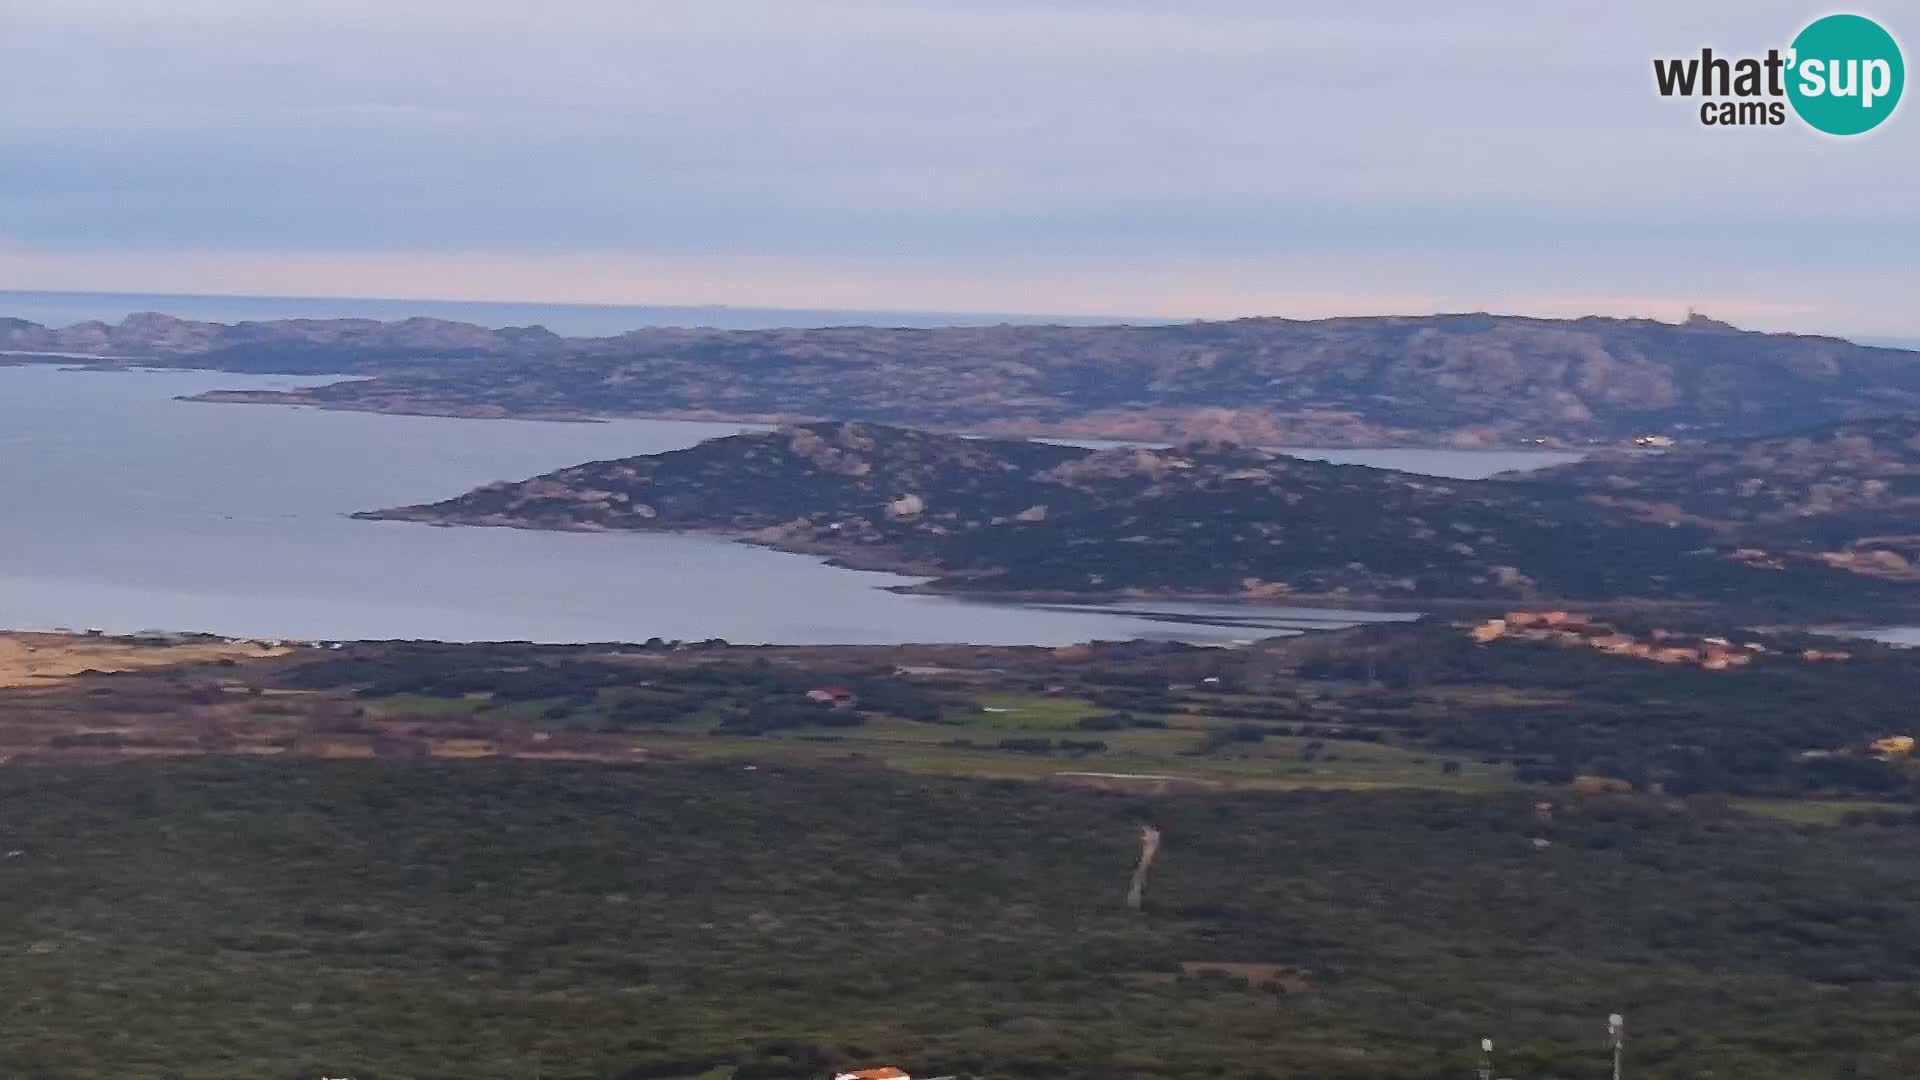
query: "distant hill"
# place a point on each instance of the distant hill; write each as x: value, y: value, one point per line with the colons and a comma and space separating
x: 1845, y: 493
x: 1460, y: 380
x: 1200, y: 519
x: 285, y: 346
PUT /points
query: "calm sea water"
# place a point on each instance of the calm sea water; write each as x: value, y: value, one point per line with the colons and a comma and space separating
x: 1905, y: 636
x: 127, y: 510
x: 1460, y: 464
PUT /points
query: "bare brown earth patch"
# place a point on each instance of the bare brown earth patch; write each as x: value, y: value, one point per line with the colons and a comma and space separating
x: 34, y: 659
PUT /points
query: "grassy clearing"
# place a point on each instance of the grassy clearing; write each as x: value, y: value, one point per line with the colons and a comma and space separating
x: 1023, y: 712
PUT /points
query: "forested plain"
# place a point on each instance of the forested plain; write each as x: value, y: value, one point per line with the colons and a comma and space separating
x: 383, y: 919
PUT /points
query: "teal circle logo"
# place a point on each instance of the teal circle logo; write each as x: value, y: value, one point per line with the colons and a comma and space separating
x: 1846, y: 74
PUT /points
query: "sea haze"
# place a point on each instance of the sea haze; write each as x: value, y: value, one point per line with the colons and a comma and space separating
x: 128, y: 510
x: 574, y: 320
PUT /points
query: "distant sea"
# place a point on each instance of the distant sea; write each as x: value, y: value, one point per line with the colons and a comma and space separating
x: 573, y: 320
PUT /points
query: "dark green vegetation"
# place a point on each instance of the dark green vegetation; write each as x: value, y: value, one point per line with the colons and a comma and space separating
x: 501, y: 921
x: 567, y: 691
x: 1132, y: 712
x: 1782, y: 727
x: 1467, y: 379
x: 1387, y: 706
x: 1847, y: 493
x: 1201, y: 518
x: 861, y: 896
x: 1154, y: 708
x: 1401, y: 706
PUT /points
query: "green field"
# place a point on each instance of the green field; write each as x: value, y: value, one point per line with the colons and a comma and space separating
x: 966, y: 741
x: 1402, y: 706
x: 1816, y: 811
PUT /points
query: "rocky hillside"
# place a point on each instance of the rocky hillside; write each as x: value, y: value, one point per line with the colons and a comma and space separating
x: 1203, y: 518
x: 1845, y: 493
x: 1464, y: 380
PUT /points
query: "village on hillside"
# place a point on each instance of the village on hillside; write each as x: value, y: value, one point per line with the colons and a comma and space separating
x: 1575, y: 630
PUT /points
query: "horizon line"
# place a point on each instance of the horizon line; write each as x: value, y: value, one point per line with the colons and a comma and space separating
x: 976, y: 318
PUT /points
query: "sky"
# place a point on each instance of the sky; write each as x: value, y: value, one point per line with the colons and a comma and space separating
x: 1199, y: 158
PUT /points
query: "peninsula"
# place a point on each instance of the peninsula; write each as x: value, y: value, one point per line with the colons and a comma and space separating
x: 1200, y: 519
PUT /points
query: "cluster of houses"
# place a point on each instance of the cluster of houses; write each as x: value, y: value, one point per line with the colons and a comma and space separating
x: 1573, y: 629
x: 1893, y: 746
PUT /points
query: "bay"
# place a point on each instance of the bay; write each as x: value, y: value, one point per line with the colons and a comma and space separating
x: 124, y: 509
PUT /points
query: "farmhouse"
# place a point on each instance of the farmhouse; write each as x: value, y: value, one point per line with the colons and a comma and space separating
x: 837, y: 696
x: 1894, y: 745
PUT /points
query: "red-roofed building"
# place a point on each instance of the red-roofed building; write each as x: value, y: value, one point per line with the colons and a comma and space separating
x: 886, y: 1072
x: 837, y: 696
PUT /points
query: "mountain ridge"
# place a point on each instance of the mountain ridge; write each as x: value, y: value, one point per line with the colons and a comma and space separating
x: 1467, y: 380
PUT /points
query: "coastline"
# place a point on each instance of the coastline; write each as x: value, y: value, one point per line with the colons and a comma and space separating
x: 287, y: 400
x: 1125, y: 431
x: 940, y: 584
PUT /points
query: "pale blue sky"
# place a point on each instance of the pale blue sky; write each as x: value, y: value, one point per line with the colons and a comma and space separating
x: 1192, y: 158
